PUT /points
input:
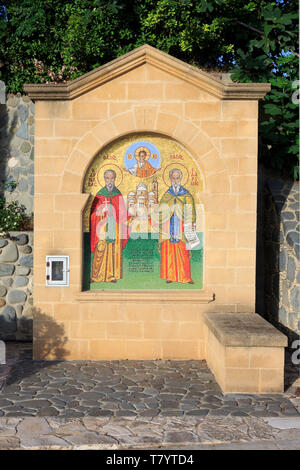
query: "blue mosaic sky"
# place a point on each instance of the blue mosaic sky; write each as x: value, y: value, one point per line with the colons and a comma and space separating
x: 155, y: 163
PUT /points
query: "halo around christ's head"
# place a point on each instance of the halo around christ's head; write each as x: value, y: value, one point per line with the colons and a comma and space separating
x: 142, y: 149
x: 110, y: 166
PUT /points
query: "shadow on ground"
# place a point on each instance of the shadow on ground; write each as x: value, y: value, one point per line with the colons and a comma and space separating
x: 126, y: 388
x: 49, y: 344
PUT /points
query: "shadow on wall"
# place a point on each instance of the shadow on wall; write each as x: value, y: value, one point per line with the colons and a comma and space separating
x: 49, y: 344
x: 268, y: 252
x: 270, y: 241
x: 49, y: 337
x: 6, y: 134
x: 13, y: 326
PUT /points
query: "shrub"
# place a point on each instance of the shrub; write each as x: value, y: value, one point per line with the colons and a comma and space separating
x: 13, y: 215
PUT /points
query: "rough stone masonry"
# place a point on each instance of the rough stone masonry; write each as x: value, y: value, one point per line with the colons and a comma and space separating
x: 17, y: 149
x: 282, y: 255
x: 16, y: 261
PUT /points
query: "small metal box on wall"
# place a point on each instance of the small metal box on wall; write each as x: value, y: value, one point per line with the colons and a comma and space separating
x: 57, y: 271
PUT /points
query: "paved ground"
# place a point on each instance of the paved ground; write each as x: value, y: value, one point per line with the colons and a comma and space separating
x: 143, y: 389
x: 173, y: 405
x: 172, y: 433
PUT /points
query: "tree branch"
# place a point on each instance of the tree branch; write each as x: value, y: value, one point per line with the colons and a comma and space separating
x: 262, y: 34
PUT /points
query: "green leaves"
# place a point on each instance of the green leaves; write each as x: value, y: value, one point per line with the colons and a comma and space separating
x: 87, y: 33
x: 205, y: 5
x: 272, y: 109
x: 280, y: 123
x: 271, y: 56
x: 13, y: 216
x: 57, y: 40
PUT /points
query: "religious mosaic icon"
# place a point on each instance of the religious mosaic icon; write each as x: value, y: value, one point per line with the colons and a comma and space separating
x: 109, y: 232
x: 142, y: 159
x: 143, y: 224
x: 177, y: 234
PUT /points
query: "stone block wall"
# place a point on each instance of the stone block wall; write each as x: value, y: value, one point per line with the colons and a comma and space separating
x: 17, y: 148
x: 221, y: 134
x: 282, y: 255
x: 16, y: 274
x: 69, y: 134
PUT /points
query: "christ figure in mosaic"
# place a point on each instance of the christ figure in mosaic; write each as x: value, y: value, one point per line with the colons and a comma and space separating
x: 177, y: 220
x: 109, y: 231
x: 142, y: 168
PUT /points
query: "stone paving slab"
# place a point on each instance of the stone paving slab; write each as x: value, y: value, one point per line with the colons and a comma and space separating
x: 265, y: 445
x: 143, y: 433
x: 284, y: 423
x: 144, y: 389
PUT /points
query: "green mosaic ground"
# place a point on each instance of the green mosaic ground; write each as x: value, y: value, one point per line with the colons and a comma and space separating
x: 144, y: 280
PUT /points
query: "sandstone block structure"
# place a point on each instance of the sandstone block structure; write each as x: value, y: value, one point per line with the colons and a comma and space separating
x: 144, y: 96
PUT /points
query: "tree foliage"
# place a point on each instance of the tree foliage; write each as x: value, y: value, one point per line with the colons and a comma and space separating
x: 272, y: 56
x: 57, y: 40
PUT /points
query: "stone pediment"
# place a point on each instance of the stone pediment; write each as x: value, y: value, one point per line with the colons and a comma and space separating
x: 225, y: 90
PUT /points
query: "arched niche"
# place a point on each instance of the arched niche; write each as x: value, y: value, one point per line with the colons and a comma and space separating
x: 149, y: 257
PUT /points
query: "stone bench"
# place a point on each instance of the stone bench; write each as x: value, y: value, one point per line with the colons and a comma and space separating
x: 245, y: 352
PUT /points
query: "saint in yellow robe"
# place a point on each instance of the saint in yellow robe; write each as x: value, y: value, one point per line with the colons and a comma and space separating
x: 176, y: 210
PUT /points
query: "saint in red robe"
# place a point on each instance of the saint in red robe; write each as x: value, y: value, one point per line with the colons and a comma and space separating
x: 108, y: 235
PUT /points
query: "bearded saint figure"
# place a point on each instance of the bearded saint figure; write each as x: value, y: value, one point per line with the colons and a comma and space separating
x: 177, y: 211
x: 109, y: 231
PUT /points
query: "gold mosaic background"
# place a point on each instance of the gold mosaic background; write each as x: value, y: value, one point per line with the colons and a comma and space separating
x: 172, y: 154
